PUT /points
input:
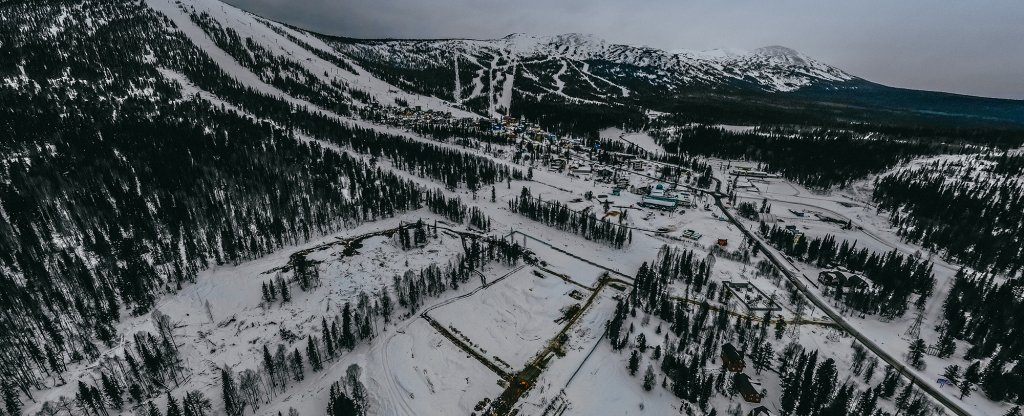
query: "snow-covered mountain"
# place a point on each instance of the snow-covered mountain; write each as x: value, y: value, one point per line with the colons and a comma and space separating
x: 520, y: 73
x: 581, y: 68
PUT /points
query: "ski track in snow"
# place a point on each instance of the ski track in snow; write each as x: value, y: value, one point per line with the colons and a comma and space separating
x: 559, y: 84
x: 247, y: 77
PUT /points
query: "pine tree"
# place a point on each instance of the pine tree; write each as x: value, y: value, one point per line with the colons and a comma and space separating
x: 649, y: 378
x: 285, y: 293
x: 947, y: 345
x: 11, y: 400
x: 266, y: 294
x: 780, y: 328
x: 791, y: 386
x: 152, y: 410
x: 992, y: 382
x: 135, y: 391
x: 312, y: 355
x: 298, y: 372
x: 867, y: 403
x: 971, y: 377
x: 172, y: 406
x: 903, y: 399
x: 196, y: 404
x: 348, y: 340
x: 338, y: 404
x: 328, y: 342
x: 824, y: 383
x: 112, y: 390
x: 915, y: 357
x: 634, y: 362
x: 232, y: 402
x: 806, y: 403
x: 952, y: 373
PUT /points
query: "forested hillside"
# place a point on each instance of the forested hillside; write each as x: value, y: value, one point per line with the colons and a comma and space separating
x: 970, y: 209
x: 116, y: 188
x: 818, y: 157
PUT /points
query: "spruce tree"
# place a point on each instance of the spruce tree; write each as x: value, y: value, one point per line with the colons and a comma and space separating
x: 649, y: 378
x: 952, y: 373
x: 298, y: 373
x: 152, y: 410
x: 971, y: 377
x: 312, y: 355
x: 196, y: 404
x: 172, y: 406
x: 11, y: 400
x: 232, y: 402
x: 112, y: 390
x: 634, y: 362
x: 915, y: 356
x: 268, y: 363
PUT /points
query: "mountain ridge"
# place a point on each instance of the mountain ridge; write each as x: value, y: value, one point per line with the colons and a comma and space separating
x: 585, y: 70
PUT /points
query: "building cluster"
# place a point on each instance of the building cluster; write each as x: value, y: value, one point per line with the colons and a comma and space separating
x: 837, y: 278
x: 732, y: 360
x: 660, y: 196
x: 413, y: 117
x: 752, y: 173
x: 516, y: 129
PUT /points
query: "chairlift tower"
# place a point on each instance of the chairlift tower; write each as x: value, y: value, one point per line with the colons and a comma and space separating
x: 914, y: 332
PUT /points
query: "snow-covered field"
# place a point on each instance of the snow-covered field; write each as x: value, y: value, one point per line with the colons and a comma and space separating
x: 513, y: 319
x: 416, y: 368
x: 639, y: 139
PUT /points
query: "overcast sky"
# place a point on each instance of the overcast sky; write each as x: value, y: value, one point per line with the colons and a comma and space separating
x: 969, y: 47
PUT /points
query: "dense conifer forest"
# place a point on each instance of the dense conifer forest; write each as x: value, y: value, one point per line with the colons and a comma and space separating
x: 117, y: 188
x: 817, y: 158
x: 558, y: 215
x: 895, y: 277
x: 986, y: 313
x: 969, y: 210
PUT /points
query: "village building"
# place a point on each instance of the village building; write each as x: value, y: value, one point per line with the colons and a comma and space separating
x: 732, y: 359
x: 839, y: 278
x: 582, y: 170
x: 658, y: 198
x: 746, y: 388
x: 751, y: 296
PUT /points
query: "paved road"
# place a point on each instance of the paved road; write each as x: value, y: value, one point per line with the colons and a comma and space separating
x: 919, y: 381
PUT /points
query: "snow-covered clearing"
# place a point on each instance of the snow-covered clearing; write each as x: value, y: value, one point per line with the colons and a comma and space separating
x: 639, y: 139
x: 513, y: 319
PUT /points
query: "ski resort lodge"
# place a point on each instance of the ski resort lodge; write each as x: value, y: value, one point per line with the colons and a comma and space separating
x: 658, y: 198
